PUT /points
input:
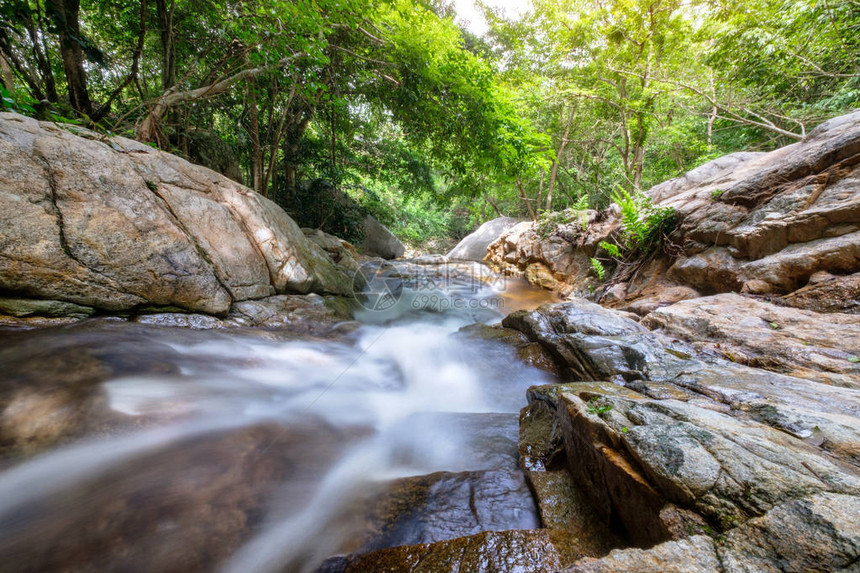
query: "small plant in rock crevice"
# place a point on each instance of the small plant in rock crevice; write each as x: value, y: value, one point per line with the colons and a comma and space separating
x: 598, y: 406
x: 549, y: 221
x: 598, y: 268
x: 610, y: 248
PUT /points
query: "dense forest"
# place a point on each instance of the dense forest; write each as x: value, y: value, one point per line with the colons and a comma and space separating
x: 427, y: 126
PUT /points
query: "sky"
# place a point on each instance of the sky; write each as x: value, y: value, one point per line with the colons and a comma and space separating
x: 467, y: 11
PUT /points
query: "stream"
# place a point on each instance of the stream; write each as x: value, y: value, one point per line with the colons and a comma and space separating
x: 129, y: 447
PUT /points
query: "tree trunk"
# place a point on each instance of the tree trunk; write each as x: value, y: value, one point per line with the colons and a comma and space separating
x: 275, y: 144
x: 43, y: 58
x: 254, y: 133
x: 540, y: 189
x: 554, y: 172
x: 40, y: 50
x: 526, y: 200
x: 149, y: 127
x: 493, y: 204
x: 67, y: 11
x: 7, y: 75
x: 168, y: 51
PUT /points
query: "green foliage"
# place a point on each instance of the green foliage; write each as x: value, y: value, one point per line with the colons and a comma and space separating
x: 644, y: 224
x: 598, y: 268
x: 598, y: 406
x: 610, y: 248
x: 789, y: 61
x: 320, y: 205
x: 16, y: 103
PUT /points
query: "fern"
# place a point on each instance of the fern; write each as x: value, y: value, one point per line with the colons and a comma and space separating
x: 644, y: 224
x: 610, y: 248
x: 598, y: 268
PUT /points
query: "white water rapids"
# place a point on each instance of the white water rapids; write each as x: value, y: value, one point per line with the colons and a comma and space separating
x: 397, y: 397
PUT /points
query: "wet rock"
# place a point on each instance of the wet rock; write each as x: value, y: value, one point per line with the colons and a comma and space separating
x: 474, y: 246
x: 530, y: 353
x: 589, y: 342
x: 795, y: 342
x: 693, y: 555
x: 310, y: 313
x: 442, y: 505
x: 180, y: 320
x: 564, y: 506
x: 25, y: 307
x: 112, y: 224
x: 465, y: 441
x: 298, y: 314
x: 538, y: 551
x: 540, y: 275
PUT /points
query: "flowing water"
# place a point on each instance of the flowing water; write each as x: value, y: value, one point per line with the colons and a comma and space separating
x: 128, y: 447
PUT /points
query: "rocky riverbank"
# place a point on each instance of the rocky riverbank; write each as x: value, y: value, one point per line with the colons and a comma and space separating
x: 676, y: 426
x: 714, y: 431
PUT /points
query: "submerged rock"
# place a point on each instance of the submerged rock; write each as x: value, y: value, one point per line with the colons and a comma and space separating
x: 445, y: 505
x: 535, y: 551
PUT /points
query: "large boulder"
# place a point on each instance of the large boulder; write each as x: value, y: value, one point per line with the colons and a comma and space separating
x: 111, y: 224
x: 474, y: 246
x: 378, y: 240
x: 696, y: 452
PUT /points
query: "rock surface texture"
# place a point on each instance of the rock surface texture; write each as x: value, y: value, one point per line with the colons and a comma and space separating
x: 784, y: 224
x: 474, y: 246
x: 695, y: 452
x: 379, y: 241
x: 111, y: 224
